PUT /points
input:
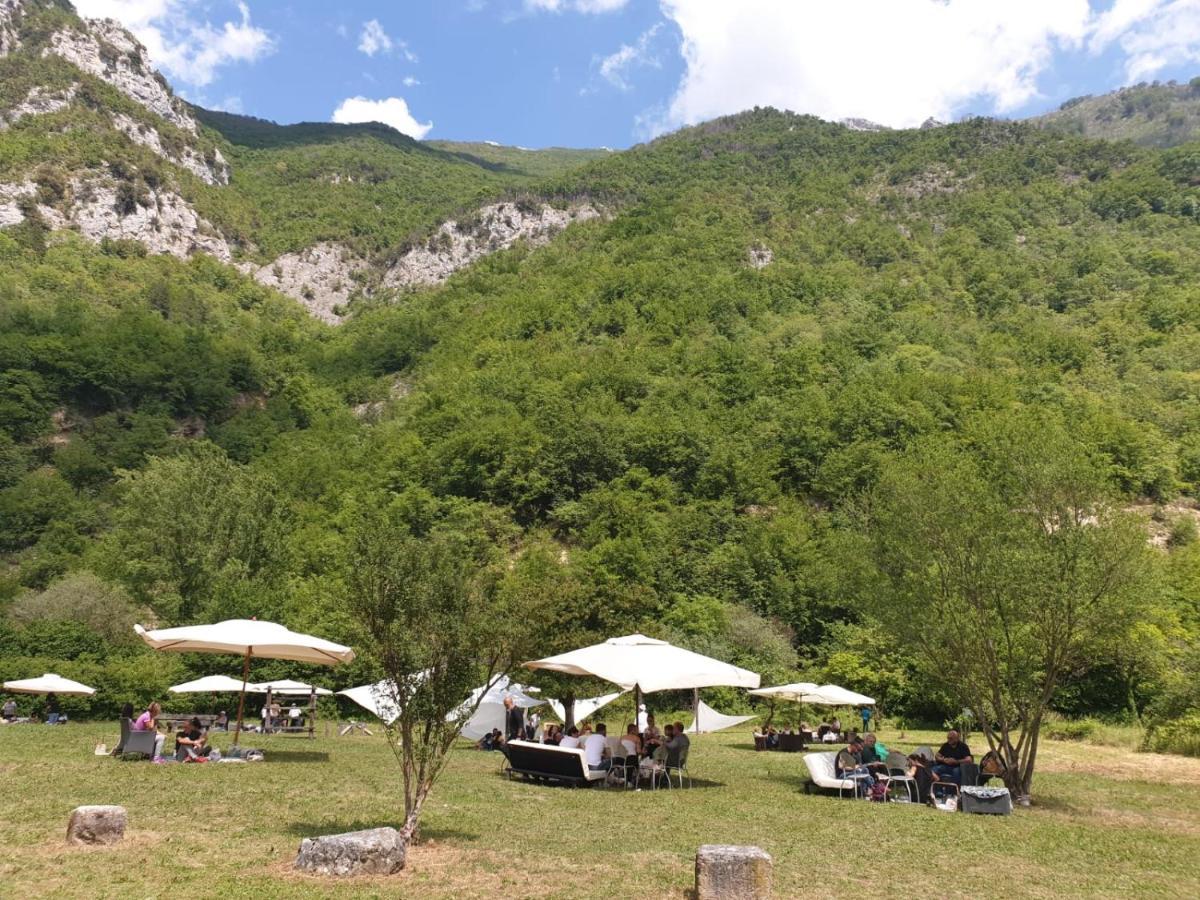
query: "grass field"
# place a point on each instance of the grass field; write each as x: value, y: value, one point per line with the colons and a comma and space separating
x: 1108, y: 823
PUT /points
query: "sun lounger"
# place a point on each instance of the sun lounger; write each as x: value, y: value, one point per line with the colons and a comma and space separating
x: 822, y: 774
x: 545, y: 762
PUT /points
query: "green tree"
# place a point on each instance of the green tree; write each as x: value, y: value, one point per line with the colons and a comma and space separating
x: 1004, y: 570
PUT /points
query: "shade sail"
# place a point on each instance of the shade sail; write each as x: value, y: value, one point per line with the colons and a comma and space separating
x: 247, y: 637
x: 380, y: 699
x: 708, y: 719
x: 48, y: 684
x: 287, y: 686
x: 651, y: 665
x: 210, y: 684
x: 584, y: 708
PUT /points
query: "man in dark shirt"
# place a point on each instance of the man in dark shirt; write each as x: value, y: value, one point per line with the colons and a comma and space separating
x: 514, y: 720
x: 950, y: 758
x: 190, y: 741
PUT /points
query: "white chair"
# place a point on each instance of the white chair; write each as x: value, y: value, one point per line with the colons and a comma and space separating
x: 897, y: 767
x: 822, y: 773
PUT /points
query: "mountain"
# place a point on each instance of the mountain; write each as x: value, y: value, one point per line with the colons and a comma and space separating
x: 656, y: 383
x: 1153, y: 115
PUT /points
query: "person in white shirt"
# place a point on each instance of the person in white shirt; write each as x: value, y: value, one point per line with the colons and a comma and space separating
x: 595, y: 748
x: 571, y: 739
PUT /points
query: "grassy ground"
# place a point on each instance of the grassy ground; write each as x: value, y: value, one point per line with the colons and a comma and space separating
x: 1108, y: 822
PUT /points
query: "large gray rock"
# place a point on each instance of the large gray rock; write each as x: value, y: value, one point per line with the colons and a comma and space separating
x: 96, y: 825
x: 725, y: 872
x: 376, y: 851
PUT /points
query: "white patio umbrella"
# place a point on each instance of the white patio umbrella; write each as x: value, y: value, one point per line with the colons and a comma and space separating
x: 210, y: 684
x: 647, y: 665
x: 246, y: 638
x: 48, y: 684
x: 832, y: 695
x: 800, y: 692
x: 288, y: 686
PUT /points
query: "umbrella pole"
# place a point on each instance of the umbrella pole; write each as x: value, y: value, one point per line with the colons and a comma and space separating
x: 237, y: 734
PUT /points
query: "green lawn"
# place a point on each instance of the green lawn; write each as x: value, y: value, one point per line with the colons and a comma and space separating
x: 1108, y: 822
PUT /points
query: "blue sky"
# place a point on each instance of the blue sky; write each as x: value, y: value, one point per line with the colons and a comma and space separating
x: 611, y: 73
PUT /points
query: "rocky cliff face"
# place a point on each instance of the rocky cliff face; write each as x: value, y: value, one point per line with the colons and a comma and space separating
x: 458, y: 244
x: 9, y: 41
x: 112, y: 54
x: 98, y: 208
x: 324, y: 277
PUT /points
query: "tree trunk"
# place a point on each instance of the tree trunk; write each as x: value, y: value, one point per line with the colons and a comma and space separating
x: 568, y: 712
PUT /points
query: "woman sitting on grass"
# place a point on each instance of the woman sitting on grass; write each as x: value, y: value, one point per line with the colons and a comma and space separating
x: 190, y: 742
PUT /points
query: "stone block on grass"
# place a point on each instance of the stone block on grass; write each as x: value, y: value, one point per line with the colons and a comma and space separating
x: 96, y: 824
x: 376, y: 851
x: 725, y: 872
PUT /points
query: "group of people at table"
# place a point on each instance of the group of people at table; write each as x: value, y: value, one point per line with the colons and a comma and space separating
x: 651, y: 748
x: 865, y: 761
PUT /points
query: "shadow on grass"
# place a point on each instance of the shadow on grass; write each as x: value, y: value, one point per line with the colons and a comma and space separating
x: 335, y: 826
x: 694, y: 785
x: 295, y: 756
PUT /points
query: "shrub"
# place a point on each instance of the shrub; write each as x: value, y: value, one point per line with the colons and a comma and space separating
x: 1180, y: 735
x: 1070, y: 729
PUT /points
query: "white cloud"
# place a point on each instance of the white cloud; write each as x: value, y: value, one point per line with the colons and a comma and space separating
x: 893, y: 61
x: 183, y: 46
x: 582, y: 6
x: 231, y: 104
x: 392, y: 111
x: 409, y: 81
x: 1153, y: 34
x: 374, y: 39
x: 615, y: 67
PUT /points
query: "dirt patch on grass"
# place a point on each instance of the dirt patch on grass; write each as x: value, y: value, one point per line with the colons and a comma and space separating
x: 1115, y: 763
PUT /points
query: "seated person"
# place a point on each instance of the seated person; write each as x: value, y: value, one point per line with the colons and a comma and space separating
x: 919, y: 772
x: 190, y: 741
x: 148, y: 721
x: 950, y: 757
x: 849, y: 764
x: 571, y: 739
x: 874, y: 754
x: 595, y: 748
x: 632, y: 741
x: 651, y: 737
x: 221, y: 722
x: 677, y: 745
x: 836, y: 725
x: 10, y: 710
x: 493, y: 740
x: 52, y: 711
x: 551, y: 735
x: 772, y: 738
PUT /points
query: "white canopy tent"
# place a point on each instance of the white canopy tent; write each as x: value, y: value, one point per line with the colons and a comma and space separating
x: 708, y: 719
x: 247, y: 638
x: 288, y: 686
x: 49, y: 684
x: 490, y: 712
x: 644, y: 664
x: 584, y: 708
x: 381, y: 699
x: 210, y: 684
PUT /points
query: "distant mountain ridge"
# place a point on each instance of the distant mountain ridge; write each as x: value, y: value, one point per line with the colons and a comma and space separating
x: 1153, y: 115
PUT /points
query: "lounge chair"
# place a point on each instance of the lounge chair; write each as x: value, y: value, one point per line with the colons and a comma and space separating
x: 140, y: 742
x: 545, y: 762
x: 126, y: 728
x: 822, y: 774
x: 791, y: 743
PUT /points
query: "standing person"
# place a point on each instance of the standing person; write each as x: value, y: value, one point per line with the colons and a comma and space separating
x: 950, y: 758
x: 148, y: 721
x: 514, y: 720
x: 865, y: 712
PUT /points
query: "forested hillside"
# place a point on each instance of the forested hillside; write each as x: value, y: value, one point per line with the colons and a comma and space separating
x: 1153, y: 115
x: 668, y: 417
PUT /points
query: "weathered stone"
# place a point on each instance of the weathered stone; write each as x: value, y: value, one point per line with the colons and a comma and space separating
x: 725, y: 872
x: 376, y: 851
x: 96, y: 825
